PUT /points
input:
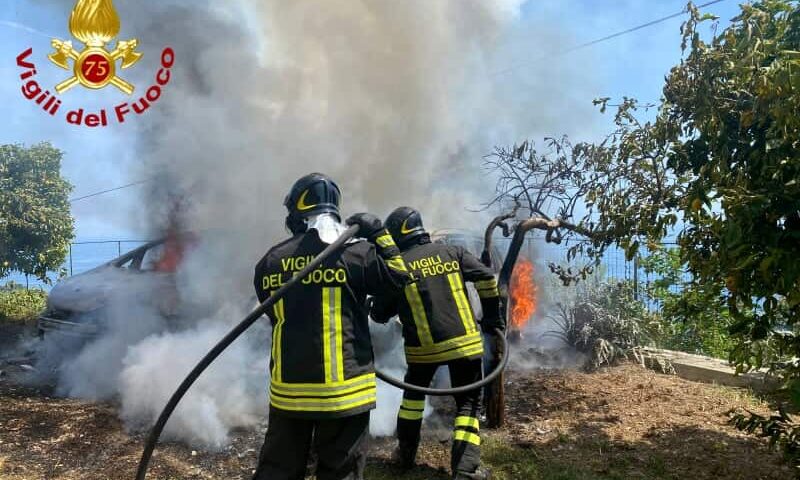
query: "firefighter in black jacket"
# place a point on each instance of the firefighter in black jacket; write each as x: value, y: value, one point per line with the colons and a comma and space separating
x: 439, y: 328
x: 322, y: 376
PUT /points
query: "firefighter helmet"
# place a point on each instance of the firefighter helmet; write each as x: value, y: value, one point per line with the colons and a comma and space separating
x: 311, y: 195
x: 405, y: 224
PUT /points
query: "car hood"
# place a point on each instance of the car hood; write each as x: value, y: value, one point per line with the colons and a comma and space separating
x: 91, y: 290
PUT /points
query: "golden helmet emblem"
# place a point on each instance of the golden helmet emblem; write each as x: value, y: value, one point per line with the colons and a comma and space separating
x: 95, y: 23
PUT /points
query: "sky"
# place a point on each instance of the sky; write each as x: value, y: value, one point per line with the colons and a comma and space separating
x: 633, y: 65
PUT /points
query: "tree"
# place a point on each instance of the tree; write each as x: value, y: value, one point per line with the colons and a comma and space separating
x: 734, y: 104
x: 719, y: 166
x: 36, y: 226
x: 617, y: 192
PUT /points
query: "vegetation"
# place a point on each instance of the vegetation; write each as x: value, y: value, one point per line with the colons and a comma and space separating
x: 507, y: 462
x: 692, y: 318
x: 35, y: 221
x: 20, y: 304
x: 780, y: 428
x: 738, y: 147
x: 719, y: 164
x: 606, y: 323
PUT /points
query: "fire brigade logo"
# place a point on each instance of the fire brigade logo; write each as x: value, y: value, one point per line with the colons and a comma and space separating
x: 95, y: 23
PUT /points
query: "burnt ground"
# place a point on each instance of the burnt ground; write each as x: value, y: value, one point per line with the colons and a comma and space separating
x: 619, y: 423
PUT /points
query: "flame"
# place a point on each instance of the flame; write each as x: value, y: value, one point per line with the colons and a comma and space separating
x: 94, y: 22
x: 177, y: 241
x: 522, y: 293
x: 173, y: 252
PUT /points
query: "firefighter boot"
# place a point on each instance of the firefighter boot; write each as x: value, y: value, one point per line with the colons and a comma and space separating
x: 405, y: 456
x: 479, y: 474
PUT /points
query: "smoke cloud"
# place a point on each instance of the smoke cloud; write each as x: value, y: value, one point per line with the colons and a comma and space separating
x: 394, y: 99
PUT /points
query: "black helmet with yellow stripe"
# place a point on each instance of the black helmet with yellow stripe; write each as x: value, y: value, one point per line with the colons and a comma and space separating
x: 405, y: 225
x: 311, y: 195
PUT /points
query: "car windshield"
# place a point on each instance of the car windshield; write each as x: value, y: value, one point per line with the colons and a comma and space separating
x: 152, y: 258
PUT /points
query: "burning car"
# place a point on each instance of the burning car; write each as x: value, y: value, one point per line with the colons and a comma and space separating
x: 78, y: 305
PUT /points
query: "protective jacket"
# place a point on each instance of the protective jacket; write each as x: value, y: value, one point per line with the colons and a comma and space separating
x: 322, y: 363
x: 438, y: 322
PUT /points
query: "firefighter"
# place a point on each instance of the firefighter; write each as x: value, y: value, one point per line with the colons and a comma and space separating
x: 322, y: 376
x: 439, y: 329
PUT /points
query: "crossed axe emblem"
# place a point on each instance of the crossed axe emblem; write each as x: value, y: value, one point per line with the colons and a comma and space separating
x: 94, y: 67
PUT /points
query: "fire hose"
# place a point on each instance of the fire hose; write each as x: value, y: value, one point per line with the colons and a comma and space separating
x: 248, y: 321
x: 442, y: 392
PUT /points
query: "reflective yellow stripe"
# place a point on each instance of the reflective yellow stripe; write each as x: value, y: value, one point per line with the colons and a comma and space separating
x: 465, y: 352
x: 324, y: 404
x: 464, y: 436
x: 489, y: 294
x: 462, y: 341
x: 316, y: 397
x: 397, y: 263
x: 326, y: 334
x: 487, y: 288
x: 486, y: 284
x: 277, y: 335
x: 332, y: 334
x: 464, y: 309
x: 410, y: 414
x: 310, y: 407
x: 339, y: 341
x: 467, y: 422
x: 418, y: 312
x: 385, y: 241
x: 340, y: 399
x: 413, y: 404
x: 322, y: 389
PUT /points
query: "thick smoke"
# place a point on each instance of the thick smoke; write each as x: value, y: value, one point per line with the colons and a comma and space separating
x: 394, y: 99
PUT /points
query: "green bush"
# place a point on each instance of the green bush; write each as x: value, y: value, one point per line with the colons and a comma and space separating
x: 606, y: 322
x: 693, y: 317
x: 21, y: 304
x: 780, y: 429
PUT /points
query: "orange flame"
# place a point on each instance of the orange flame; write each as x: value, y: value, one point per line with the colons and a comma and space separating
x: 522, y: 293
x: 177, y: 241
x: 172, y: 253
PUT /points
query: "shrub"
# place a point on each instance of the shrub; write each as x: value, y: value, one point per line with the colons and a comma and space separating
x: 693, y: 317
x: 21, y: 304
x: 607, y: 323
x: 781, y: 430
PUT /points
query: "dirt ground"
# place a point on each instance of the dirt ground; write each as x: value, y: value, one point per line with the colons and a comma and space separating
x: 623, y: 422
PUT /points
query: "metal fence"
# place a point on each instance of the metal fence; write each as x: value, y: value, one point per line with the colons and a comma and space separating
x: 613, y: 267
x: 81, y: 257
x: 84, y: 256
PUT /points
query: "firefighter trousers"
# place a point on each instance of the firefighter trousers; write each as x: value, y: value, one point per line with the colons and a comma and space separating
x: 465, y: 454
x: 338, y: 443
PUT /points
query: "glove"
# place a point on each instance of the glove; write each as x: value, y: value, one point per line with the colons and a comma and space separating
x: 369, y: 224
x: 495, y: 345
x: 489, y: 326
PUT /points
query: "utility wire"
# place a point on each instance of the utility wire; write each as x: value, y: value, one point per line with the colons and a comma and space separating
x: 95, y: 194
x: 26, y: 28
x: 501, y: 72
x: 639, y: 27
x: 607, y: 37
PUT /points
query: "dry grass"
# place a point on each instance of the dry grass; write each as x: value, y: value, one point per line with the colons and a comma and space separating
x: 618, y: 423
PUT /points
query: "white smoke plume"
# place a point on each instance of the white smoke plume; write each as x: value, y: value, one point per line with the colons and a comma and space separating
x: 395, y: 99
